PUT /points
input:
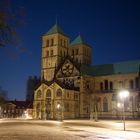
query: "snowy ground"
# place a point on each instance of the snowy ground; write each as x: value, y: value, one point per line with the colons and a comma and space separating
x: 67, y: 130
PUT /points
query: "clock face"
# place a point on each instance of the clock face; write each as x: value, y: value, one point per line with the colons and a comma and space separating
x: 67, y: 69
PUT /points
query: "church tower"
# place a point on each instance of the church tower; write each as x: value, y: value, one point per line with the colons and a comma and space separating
x: 54, y: 49
x: 80, y: 51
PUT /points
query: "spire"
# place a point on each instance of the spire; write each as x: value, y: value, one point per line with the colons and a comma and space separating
x: 78, y: 40
x: 55, y: 29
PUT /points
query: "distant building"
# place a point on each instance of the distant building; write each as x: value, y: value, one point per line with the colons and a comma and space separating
x: 72, y: 88
x: 32, y: 82
x: 17, y: 109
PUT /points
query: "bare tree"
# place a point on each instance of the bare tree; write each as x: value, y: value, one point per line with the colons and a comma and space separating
x: 3, y: 96
x: 9, y: 21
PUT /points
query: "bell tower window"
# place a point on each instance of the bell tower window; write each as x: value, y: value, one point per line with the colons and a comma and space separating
x: 51, y: 52
x: 52, y: 42
x: 47, y: 54
x: 47, y: 43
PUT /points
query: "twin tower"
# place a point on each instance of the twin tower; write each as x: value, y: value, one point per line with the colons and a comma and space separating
x: 56, y: 47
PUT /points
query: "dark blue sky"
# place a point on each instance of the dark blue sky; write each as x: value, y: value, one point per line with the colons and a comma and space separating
x: 111, y: 27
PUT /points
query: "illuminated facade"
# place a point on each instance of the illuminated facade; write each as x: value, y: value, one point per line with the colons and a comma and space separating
x: 73, y: 88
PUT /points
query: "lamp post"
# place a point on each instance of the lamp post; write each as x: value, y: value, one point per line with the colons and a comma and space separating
x: 123, y: 95
x: 119, y: 105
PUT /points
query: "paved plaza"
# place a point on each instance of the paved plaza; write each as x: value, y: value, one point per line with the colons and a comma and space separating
x: 20, y: 129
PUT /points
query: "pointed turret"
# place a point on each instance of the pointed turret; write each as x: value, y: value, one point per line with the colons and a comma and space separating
x: 80, y: 51
x: 78, y: 40
x: 55, y: 29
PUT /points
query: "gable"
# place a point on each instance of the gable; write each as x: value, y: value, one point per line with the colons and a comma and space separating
x: 67, y: 69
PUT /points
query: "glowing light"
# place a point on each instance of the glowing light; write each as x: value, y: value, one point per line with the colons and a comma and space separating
x: 124, y: 94
x: 27, y: 116
x: 119, y: 105
x: 58, y: 106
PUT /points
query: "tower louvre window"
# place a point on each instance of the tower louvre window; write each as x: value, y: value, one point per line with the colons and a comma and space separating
x: 47, y: 54
x: 47, y: 43
x: 52, y: 42
x: 51, y: 52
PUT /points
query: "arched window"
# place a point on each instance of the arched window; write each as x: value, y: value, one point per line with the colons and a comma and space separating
x: 105, y: 105
x: 48, y: 93
x: 47, y: 43
x: 137, y: 82
x: 39, y: 94
x: 101, y: 86
x: 47, y: 53
x: 51, y: 52
x: 52, y: 42
x: 106, y: 84
x: 136, y: 103
x: 59, y: 92
x: 111, y: 85
x: 131, y: 84
x: 38, y: 106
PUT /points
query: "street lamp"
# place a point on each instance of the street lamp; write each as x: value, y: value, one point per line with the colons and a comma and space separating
x: 123, y: 95
x: 119, y: 105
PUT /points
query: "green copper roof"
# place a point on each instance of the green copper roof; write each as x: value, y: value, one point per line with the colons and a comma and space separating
x: 111, y: 69
x: 78, y: 40
x: 97, y: 70
x: 55, y: 29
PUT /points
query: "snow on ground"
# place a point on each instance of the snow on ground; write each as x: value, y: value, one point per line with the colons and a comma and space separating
x: 54, y: 130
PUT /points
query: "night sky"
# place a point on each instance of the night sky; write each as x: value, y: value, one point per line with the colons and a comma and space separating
x: 111, y: 27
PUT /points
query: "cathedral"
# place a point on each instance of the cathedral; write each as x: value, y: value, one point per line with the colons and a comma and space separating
x: 73, y: 88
